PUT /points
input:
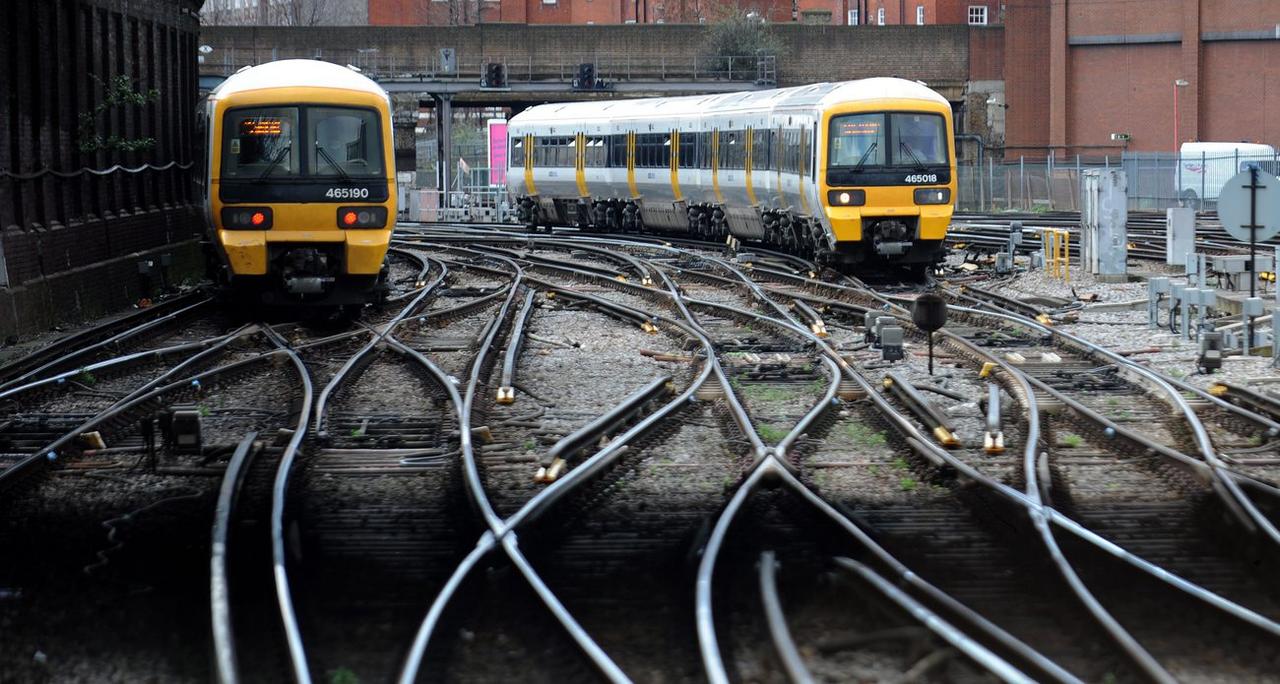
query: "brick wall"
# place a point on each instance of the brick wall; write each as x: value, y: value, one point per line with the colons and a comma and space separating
x: 61, y: 208
x: 1027, y: 85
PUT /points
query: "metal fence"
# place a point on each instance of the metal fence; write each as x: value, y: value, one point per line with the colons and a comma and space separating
x: 1156, y: 181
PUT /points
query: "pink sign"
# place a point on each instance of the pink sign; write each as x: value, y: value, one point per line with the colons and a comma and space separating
x: 497, y: 151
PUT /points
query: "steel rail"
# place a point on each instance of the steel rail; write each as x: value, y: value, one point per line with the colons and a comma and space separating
x: 777, y: 620
x: 363, y: 356
x: 226, y: 664
x: 51, y: 453
x: 711, y: 667
x: 125, y: 360
x: 279, y: 489
x: 703, y: 612
x: 1223, y: 477
x: 1123, y: 640
x: 935, y: 623
x: 1253, y: 519
x: 62, y: 353
x: 507, y: 390
x: 1069, y: 525
x: 1229, y: 607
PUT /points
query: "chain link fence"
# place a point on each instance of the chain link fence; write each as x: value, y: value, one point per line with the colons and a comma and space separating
x: 1156, y: 181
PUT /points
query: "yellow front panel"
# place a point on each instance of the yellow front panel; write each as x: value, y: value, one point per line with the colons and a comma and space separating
x: 246, y: 250
x: 846, y: 222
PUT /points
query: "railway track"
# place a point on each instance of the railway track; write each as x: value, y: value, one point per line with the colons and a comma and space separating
x: 539, y: 433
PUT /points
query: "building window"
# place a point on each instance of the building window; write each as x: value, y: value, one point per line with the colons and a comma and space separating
x: 977, y: 15
x: 815, y: 17
x: 919, y: 15
x: 853, y: 17
x: 880, y: 16
x: 549, y: 2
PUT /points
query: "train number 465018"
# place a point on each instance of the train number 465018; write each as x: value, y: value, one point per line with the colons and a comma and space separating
x: 922, y: 178
x: 347, y: 193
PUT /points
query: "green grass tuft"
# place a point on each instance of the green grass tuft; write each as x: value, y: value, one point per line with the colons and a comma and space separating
x: 907, y: 483
x: 1071, y: 440
x: 343, y: 675
x: 863, y: 435
x: 771, y: 433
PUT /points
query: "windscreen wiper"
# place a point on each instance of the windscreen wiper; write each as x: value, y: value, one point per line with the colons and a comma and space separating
x: 919, y: 164
x: 327, y: 157
x: 274, y: 162
x: 863, y: 159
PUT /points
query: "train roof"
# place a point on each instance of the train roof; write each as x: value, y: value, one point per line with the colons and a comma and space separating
x: 294, y: 73
x: 817, y: 94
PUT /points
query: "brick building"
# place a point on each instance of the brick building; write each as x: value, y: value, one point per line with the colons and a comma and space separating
x: 1087, y: 70
x: 91, y: 186
x: 900, y: 12
x: 465, y: 12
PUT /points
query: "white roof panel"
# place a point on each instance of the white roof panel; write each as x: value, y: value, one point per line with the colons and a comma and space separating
x: 292, y: 73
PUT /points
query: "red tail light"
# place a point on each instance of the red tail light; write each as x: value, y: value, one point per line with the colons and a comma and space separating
x: 362, y: 217
x: 246, y: 218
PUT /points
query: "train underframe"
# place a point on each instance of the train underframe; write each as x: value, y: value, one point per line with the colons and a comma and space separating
x: 887, y: 242
x: 308, y: 274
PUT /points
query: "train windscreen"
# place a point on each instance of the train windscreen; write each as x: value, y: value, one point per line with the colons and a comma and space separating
x: 898, y: 139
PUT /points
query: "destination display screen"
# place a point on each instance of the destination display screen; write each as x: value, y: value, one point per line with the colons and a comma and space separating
x: 854, y: 127
x: 261, y: 126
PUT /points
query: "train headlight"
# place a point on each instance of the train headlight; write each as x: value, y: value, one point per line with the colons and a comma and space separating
x: 362, y: 217
x: 933, y: 196
x: 246, y: 218
x: 847, y: 198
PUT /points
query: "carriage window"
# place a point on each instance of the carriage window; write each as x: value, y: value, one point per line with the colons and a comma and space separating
x: 260, y: 142
x: 346, y: 142
x: 733, y: 153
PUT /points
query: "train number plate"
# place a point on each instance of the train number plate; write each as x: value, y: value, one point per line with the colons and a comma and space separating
x: 347, y: 193
x: 921, y: 178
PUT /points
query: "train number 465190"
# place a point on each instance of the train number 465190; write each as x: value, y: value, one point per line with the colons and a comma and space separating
x: 347, y: 193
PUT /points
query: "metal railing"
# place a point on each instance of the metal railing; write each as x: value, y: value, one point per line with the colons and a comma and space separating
x: 761, y: 69
x: 1156, y: 180
x: 473, y: 205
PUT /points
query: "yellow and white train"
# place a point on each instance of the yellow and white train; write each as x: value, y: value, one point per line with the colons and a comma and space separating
x: 857, y: 172
x: 299, y: 183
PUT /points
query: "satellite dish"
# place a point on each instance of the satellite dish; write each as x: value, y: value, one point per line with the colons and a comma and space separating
x: 205, y: 49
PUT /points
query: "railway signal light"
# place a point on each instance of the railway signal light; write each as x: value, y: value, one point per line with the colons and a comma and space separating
x: 929, y: 313
x: 495, y: 75
x: 586, y: 79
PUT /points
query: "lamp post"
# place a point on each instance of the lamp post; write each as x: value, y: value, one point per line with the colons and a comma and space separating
x: 1177, y: 138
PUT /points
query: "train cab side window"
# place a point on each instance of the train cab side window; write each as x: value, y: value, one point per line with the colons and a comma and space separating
x: 704, y: 150
x: 516, y: 154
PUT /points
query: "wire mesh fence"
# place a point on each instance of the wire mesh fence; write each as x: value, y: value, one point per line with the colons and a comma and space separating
x: 1156, y: 181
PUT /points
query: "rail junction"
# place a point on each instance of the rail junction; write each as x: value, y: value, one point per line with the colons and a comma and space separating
x: 564, y: 453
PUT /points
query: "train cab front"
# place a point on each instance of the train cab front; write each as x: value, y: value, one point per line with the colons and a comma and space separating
x: 303, y: 223
x: 888, y: 187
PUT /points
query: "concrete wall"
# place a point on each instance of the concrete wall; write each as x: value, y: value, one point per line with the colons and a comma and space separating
x: 938, y: 55
x: 62, y: 208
